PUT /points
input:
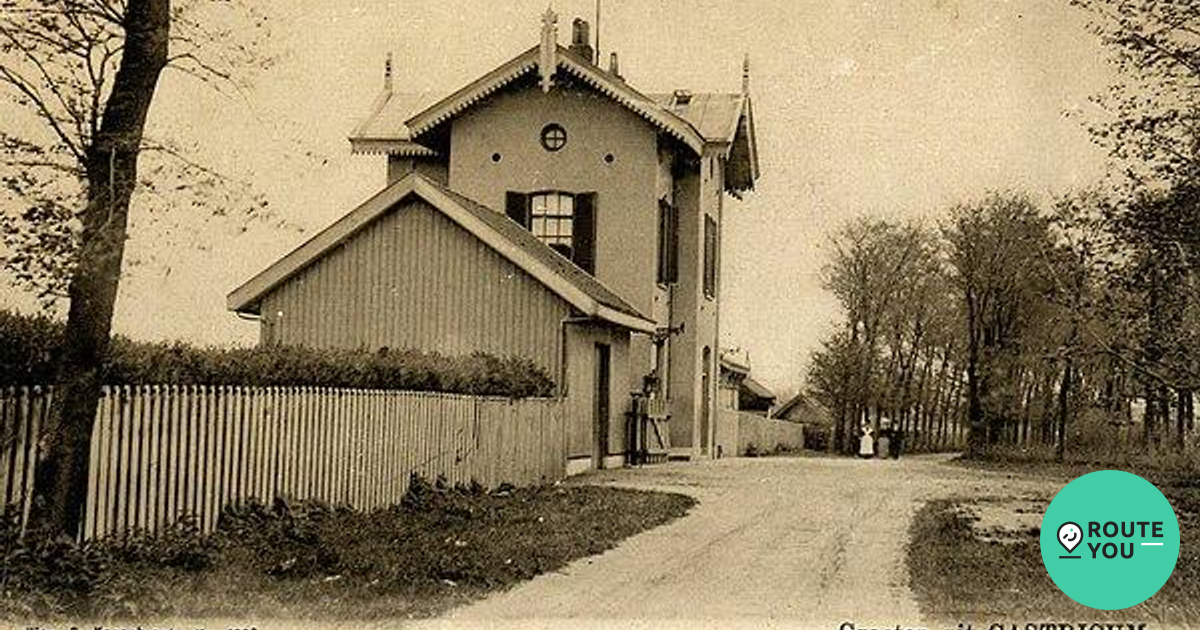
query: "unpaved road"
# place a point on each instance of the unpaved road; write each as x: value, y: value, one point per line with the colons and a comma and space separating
x: 797, y: 542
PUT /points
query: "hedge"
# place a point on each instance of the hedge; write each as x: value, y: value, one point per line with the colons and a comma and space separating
x: 28, y: 346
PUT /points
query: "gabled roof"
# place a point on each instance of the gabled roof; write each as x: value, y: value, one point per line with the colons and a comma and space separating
x: 495, y: 230
x: 734, y: 363
x: 714, y: 115
x: 387, y: 125
x: 722, y: 118
x: 756, y: 388
x: 802, y: 400
x: 384, y: 131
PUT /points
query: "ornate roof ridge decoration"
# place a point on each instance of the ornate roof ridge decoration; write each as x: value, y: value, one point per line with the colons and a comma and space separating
x: 548, y: 49
x: 468, y: 96
x: 639, y: 103
x: 392, y: 147
x: 501, y: 77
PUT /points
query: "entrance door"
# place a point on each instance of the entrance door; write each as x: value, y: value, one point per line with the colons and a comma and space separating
x: 601, y: 420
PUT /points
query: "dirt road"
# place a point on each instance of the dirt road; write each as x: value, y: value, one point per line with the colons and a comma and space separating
x: 801, y: 542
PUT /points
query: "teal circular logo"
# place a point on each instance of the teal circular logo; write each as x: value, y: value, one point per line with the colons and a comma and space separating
x: 1110, y: 540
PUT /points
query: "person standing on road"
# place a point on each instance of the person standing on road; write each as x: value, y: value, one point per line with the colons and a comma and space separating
x: 866, y: 444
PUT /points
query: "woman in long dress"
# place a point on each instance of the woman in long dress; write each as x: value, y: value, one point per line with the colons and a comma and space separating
x: 866, y: 444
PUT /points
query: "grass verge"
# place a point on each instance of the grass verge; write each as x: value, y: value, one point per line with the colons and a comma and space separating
x: 440, y: 548
x: 959, y: 576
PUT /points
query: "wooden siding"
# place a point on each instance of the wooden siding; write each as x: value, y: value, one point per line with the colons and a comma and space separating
x: 161, y: 452
x: 415, y: 279
x: 580, y: 401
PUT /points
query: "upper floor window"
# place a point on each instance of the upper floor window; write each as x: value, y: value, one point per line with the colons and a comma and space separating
x: 564, y: 221
x: 668, y: 243
x: 552, y: 217
x: 710, y: 257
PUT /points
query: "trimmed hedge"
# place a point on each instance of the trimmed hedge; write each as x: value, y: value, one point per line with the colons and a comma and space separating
x: 28, y: 346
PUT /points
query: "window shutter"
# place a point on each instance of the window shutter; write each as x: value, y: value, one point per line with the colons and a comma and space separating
x: 668, y: 243
x: 584, y: 227
x: 672, y: 244
x: 517, y: 206
x: 710, y: 257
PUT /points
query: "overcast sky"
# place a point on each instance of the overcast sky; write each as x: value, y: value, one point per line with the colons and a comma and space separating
x: 894, y: 108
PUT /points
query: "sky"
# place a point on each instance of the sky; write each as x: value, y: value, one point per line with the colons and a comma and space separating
x: 890, y: 108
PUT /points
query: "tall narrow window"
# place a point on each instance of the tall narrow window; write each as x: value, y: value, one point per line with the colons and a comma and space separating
x: 668, y: 243
x: 710, y: 257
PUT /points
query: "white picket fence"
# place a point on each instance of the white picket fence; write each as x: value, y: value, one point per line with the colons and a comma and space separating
x: 159, y: 452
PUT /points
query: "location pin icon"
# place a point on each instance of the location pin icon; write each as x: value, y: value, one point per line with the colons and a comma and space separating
x: 1069, y: 536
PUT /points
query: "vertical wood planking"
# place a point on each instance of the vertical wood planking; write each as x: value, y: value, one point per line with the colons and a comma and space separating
x: 20, y: 435
x: 159, y: 452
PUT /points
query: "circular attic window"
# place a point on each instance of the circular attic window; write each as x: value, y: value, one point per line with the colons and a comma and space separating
x: 554, y: 137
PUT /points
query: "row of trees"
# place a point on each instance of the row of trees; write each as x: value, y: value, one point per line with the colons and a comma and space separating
x: 1070, y: 327
x: 1009, y: 323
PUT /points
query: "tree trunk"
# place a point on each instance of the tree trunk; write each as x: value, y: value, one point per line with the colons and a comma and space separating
x: 1181, y: 417
x: 1064, y: 393
x: 977, y: 431
x: 60, y: 485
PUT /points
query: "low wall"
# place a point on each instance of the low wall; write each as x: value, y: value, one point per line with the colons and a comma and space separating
x: 740, y: 432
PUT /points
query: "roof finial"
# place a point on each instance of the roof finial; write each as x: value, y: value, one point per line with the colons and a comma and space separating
x: 387, y: 73
x: 548, y: 61
x: 746, y: 74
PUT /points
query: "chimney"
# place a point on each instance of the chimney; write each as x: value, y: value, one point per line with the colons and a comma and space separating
x: 614, y: 67
x: 581, y: 40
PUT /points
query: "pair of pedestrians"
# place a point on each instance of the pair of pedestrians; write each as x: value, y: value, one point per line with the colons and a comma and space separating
x: 888, y: 444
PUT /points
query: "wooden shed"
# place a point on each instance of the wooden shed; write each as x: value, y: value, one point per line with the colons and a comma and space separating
x: 419, y: 266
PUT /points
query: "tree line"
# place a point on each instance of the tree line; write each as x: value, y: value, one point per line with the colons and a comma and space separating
x: 1067, y: 328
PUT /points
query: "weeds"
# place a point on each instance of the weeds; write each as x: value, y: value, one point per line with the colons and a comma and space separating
x: 440, y: 546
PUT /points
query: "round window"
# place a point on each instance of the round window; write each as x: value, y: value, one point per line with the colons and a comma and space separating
x: 554, y: 137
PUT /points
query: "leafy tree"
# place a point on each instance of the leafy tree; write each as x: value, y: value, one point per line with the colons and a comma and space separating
x: 890, y: 279
x: 1152, y: 124
x: 997, y: 249
x: 81, y: 76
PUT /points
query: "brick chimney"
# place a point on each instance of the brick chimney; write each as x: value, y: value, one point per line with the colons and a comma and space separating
x: 581, y: 40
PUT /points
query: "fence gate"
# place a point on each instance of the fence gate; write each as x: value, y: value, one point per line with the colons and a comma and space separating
x: 649, y: 431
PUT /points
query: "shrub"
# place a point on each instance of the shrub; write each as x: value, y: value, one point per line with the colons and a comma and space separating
x: 816, y: 437
x: 283, y: 539
x: 28, y: 346
x: 42, y: 579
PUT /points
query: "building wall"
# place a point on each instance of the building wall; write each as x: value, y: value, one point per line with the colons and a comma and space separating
x: 581, y: 391
x: 509, y: 124
x: 698, y: 193
x: 415, y: 279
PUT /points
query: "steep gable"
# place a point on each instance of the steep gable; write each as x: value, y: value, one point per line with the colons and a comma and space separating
x: 383, y: 126
x: 495, y: 230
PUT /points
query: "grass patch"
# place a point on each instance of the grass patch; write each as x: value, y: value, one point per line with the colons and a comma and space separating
x: 958, y: 576
x: 439, y: 548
